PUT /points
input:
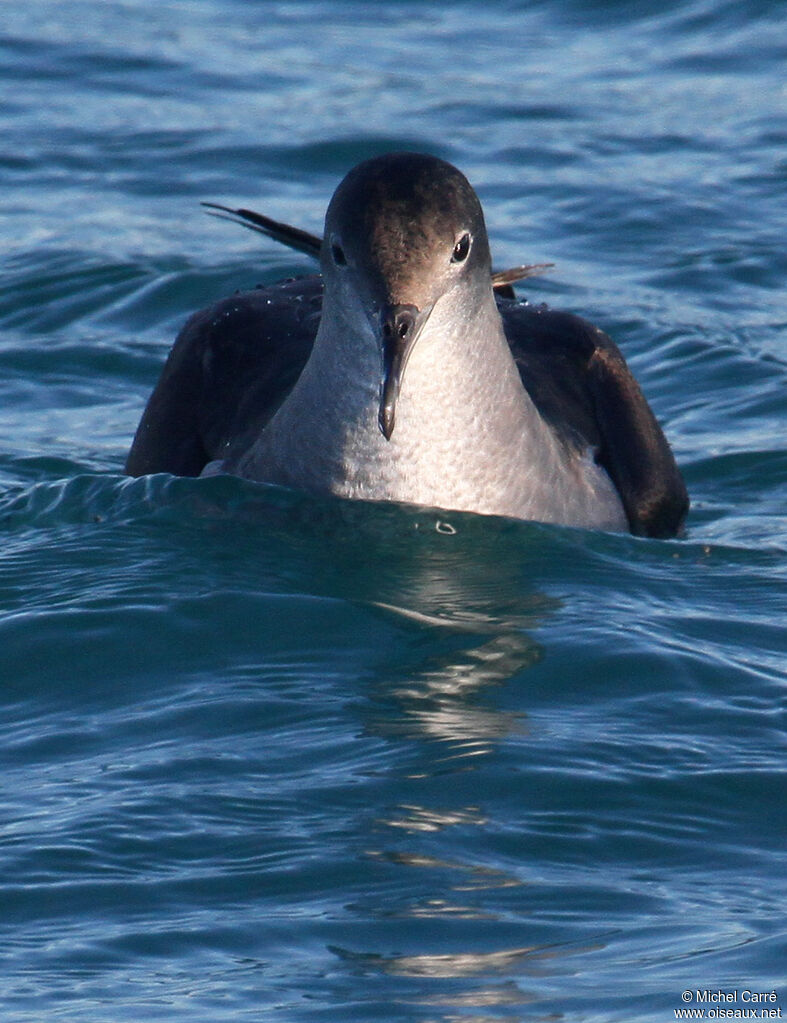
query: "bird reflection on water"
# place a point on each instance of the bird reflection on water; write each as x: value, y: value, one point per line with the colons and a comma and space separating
x: 457, y: 585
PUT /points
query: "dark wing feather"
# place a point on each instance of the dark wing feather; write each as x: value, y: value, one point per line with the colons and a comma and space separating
x: 583, y: 388
x: 293, y: 237
x: 230, y: 368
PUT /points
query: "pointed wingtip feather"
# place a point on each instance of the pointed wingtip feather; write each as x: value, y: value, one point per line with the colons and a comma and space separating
x: 293, y: 237
x: 518, y: 273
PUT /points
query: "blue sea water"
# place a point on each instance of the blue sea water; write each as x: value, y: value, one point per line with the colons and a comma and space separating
x: 265, y: 756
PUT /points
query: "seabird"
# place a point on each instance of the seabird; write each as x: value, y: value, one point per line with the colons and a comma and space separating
x: 400, y: 374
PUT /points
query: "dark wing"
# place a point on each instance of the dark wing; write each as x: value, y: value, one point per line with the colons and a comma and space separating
x: 230, y: 368
x: 583, y: 388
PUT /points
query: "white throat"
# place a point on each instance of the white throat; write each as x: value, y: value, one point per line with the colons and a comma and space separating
x: 467, y: 434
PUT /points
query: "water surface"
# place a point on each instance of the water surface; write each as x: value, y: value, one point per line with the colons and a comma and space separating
x: 266, y: 756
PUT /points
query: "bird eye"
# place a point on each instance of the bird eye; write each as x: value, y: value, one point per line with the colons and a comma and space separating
x: 339, y: 257
x: 461, y: 249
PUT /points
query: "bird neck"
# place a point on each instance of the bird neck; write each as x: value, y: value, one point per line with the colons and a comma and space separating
x: 465, y: 426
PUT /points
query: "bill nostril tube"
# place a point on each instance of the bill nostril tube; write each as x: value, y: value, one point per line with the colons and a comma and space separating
x: 399, y: 321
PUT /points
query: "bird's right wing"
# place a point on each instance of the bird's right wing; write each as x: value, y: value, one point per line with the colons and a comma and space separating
x: 581, y: 385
